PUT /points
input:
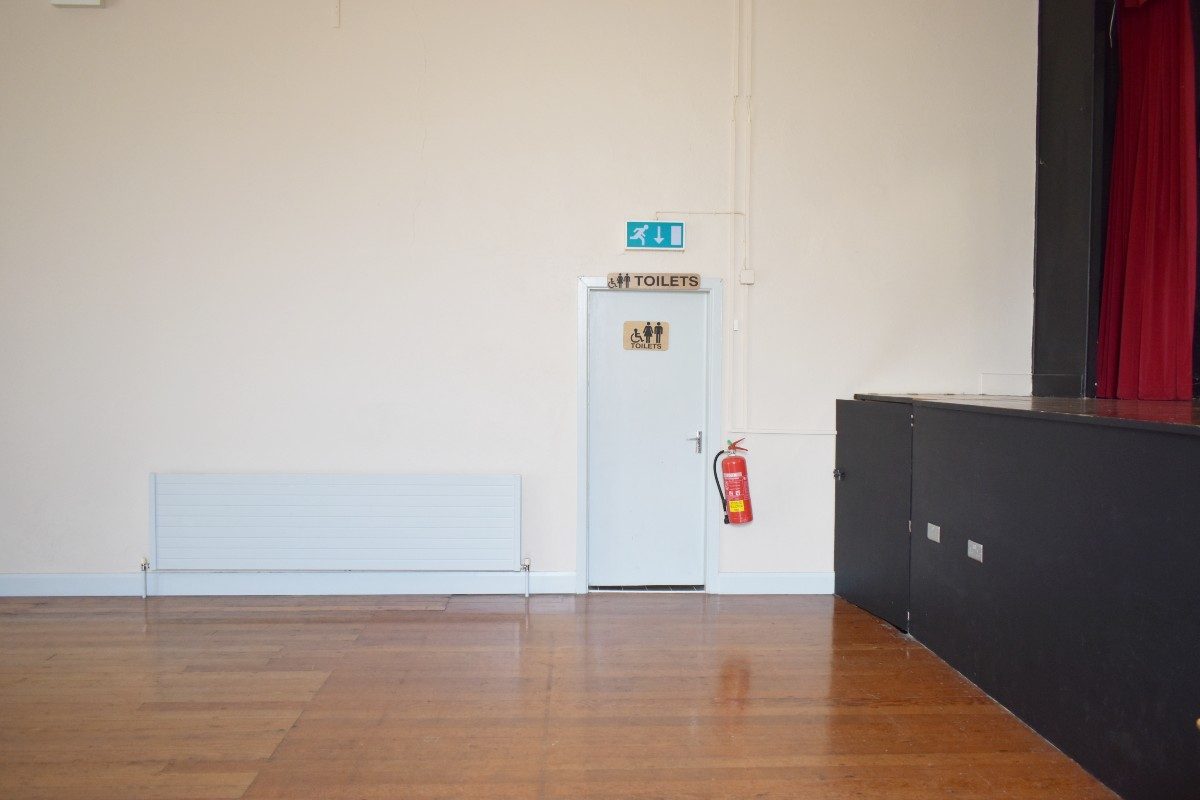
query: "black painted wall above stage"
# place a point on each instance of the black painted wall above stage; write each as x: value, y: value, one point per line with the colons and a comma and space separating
x: 1076, y: 104
x: 1071, y: 180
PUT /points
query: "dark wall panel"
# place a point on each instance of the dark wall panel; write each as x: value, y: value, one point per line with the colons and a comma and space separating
x: 1084, y: 616
x: 870, y: 550
x: 1068, y: 239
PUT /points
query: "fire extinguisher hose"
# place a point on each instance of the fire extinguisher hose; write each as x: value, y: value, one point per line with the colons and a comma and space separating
x: 720, y: 491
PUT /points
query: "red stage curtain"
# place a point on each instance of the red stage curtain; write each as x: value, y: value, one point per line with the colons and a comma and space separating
x: 1147, y: 309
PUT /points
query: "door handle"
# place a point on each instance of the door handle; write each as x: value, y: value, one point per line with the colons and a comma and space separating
x: 699, y: 440
x: 838, y: 475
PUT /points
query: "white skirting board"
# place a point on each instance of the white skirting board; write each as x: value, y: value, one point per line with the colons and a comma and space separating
x: 343, y: 583
x: 85, y: 584
x: 775, y: 583
x: 282, y: 583
x: 129, y: 584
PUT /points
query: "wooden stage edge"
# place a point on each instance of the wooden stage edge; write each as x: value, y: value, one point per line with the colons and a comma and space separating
x: 1174, y: 416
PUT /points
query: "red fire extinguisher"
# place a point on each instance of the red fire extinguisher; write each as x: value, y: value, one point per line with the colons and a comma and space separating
x: 735, y: 498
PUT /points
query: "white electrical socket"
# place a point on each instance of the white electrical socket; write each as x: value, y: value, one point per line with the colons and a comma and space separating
x: 975, y: 551
x: 933, y: 532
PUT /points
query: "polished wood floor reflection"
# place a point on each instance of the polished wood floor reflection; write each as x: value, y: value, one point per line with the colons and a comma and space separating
x: 603, y: 696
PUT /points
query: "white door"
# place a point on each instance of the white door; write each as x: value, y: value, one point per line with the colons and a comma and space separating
x: 645, y: 408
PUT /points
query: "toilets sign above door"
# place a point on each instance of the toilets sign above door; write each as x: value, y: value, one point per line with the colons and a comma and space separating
x: 654, y: 281
x: 653, y: 234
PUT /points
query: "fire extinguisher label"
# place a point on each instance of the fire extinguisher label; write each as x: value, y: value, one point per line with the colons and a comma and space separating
x: 737, y: 506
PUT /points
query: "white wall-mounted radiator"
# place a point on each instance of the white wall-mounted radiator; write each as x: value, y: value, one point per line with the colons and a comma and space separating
x: 336, y: 522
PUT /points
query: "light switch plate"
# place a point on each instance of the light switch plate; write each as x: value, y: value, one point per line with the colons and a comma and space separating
x: 933, y: 532
x: 975, y: 551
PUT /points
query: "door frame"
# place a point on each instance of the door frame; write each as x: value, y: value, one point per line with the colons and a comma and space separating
x: 712, y: 289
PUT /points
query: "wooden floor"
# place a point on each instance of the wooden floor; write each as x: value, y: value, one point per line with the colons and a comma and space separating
x: 602, y: 696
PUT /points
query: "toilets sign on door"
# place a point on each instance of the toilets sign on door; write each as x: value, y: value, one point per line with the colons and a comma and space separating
x: 646, y: 335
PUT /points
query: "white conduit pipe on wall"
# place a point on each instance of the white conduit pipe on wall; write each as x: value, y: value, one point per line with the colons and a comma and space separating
x: 739, y: 205
x: 741, y: 173
x: 741, y: 192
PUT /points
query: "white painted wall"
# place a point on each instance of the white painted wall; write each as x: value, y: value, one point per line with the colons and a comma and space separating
x: 891, y: 231
x: 234, y: 238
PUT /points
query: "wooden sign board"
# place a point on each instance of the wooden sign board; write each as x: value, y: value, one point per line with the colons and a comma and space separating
x: 654, y: 281
x: 647, y: 335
